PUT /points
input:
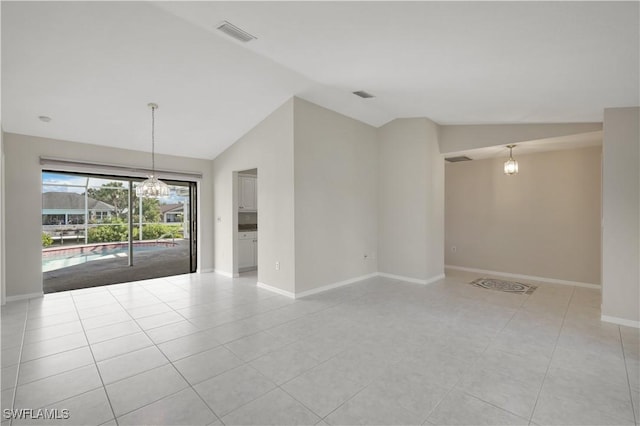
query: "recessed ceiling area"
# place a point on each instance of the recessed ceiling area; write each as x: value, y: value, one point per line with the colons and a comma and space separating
x: 93, y: 66
x: 581, y: 140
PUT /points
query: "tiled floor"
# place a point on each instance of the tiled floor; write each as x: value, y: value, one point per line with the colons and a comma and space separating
x: 204, y: 349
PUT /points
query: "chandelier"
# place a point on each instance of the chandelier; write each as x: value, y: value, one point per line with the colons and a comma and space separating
x: 511, y: 165
x: 153, y: 187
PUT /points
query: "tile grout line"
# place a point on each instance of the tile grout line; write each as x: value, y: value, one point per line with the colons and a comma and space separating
x: 457, y: 382
x: 248, y: 363
x: 304, y: 372
x: 95, y: 363
x: 364, y: 388
x: 279, y: 386
x: 15, y: 387
x: 555, y: 346
x: 73, y: 349
x: 245, y: 363
x: 624, y: 357
x: 169, y: 363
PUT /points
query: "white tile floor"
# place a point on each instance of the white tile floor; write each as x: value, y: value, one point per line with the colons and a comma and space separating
x: 204, y: 349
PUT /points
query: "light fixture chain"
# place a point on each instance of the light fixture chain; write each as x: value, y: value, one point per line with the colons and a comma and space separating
x: 153, y: 187
x: 153, y: 140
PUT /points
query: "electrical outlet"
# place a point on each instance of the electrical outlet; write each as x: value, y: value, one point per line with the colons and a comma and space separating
x: 277, y: 266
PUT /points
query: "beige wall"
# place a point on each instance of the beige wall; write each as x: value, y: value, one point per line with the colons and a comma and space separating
x: 544, y: 221
x: 336, y: 218
x: 621, y: 216
x: 23, y: 209
x: 410, y: 199
x: 455, y: 138
x: 269, y: 148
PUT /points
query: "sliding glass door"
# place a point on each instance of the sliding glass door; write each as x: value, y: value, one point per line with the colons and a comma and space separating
x: 96, y: 231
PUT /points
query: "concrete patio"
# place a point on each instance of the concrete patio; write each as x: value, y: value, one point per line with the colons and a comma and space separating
x: 147, y: 265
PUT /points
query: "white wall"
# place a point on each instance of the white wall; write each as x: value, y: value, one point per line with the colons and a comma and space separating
x: 621, y: 216
x: 410, y: 200
x: 336, y: 163
x: 269, y: 148
x: 3, y: 294
x: 23, y: 207
x: 544, y: 221
x: 455, y: 138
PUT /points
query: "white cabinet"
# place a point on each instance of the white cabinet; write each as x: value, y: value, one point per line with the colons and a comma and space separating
x: 247, y: 193
x: 247, y: 250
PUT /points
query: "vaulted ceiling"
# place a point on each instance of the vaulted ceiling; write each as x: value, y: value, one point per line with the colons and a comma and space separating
x: 93, y: 66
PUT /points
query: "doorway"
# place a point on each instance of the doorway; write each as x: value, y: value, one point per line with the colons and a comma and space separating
x: 247, y: 222
x: 96, y: 231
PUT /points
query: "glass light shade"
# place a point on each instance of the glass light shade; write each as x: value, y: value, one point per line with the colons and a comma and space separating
x: 510, y: 167
x: 152, y: 188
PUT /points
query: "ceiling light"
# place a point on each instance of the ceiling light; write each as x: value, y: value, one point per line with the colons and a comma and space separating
x: 44, y: 118
x: 232, y: 31
x: 511, y: 165
x: 152, y: 187
x: 363, y: 94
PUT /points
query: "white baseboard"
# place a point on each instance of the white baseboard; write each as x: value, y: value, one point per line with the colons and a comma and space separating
x: 412, y: 280
x: 435, y: 279
x: 523, y: 277
x: 347, y: 282
x: 24, y: 296
x: 205, y: 271
x: 334, y: 285
x: 620, y: 321
x: 226, y: 274
x: 276, y: 290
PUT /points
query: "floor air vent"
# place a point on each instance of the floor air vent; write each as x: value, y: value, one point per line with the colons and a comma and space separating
x: 502, y: 285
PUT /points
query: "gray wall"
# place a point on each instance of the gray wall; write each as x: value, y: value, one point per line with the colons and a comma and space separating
x: 23, y: 209
x: 410, y: 199
x: 544, y: 221
x: 269, y: 148
x: 336, y: 212
x: 621, y: 215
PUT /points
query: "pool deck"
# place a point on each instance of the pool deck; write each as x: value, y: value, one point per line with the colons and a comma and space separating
x: 147, y: 265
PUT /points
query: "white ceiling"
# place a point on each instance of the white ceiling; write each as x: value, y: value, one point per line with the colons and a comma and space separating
x: 94, y: 66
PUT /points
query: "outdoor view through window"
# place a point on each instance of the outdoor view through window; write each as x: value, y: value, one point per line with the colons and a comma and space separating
x: 96, y: 231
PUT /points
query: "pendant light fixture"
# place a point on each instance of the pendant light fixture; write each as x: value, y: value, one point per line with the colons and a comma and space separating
x: 511, y: 165
x: 152, y: 187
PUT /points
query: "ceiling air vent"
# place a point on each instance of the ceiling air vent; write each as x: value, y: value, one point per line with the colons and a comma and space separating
x: 363, y: 94
x: 235, y: 32
x: 458, y: 159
